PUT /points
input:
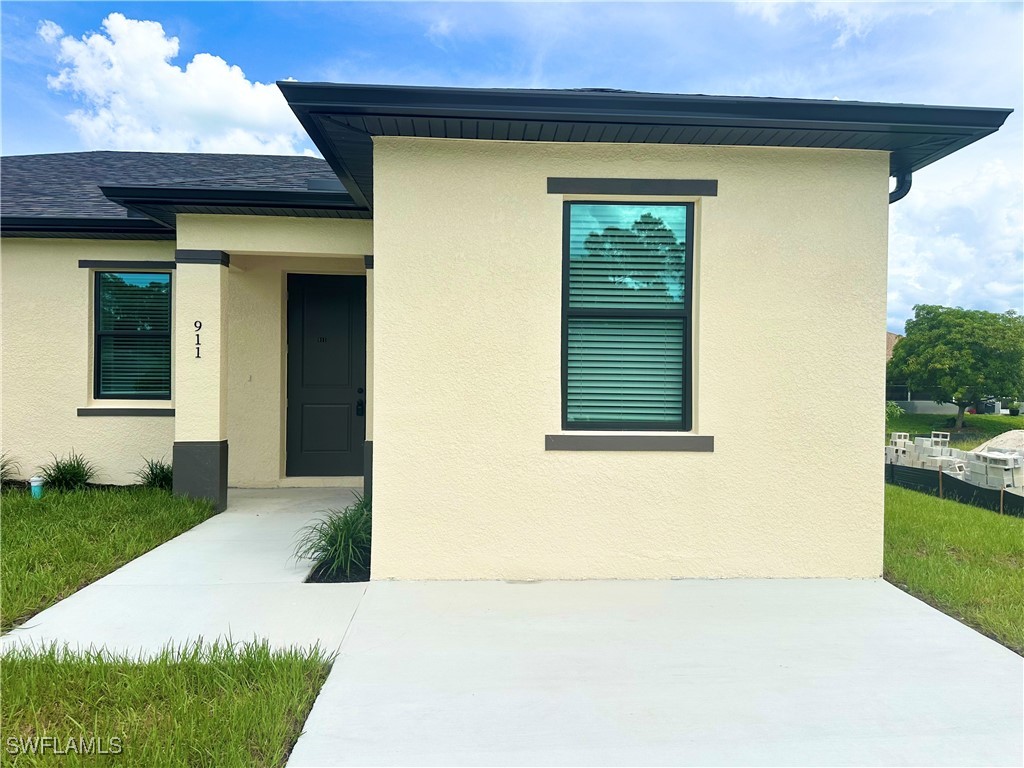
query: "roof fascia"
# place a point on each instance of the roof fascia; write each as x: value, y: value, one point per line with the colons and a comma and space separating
x: 627, y: 107
x: 74, y: 224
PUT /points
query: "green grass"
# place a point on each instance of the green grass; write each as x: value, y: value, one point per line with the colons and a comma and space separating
x: 977, y: 429
x: 223, y: 705
x: 964, y: 560
x: 56, y: 545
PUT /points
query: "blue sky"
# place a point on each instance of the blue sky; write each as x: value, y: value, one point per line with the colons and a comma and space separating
x: 195, y: 77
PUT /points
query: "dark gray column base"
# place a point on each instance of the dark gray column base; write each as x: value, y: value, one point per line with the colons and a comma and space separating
x: 201, y: 471
x: 368, y: 469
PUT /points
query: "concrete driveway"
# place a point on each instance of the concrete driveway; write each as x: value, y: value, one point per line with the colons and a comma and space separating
x: 744, y: 672
x: 729, y: 672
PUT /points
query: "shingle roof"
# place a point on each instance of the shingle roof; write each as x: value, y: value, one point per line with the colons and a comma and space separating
x: 68, y: 184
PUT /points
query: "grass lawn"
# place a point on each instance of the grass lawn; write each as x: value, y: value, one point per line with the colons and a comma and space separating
x: 977, y: 429
x: 964, y: 560
x: 222, y: 706
x: 56, y: 545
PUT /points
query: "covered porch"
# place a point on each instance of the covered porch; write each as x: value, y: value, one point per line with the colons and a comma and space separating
x: 273, y: 359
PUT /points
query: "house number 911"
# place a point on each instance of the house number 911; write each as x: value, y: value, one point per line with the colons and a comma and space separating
x: 199, y: 327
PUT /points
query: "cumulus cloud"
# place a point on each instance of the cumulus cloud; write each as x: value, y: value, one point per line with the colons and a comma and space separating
x: 133, y: 97
x: 956, y: 239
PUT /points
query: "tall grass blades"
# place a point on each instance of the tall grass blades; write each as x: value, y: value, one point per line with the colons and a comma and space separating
x: 56, y: 545
x: 9, y: 468
x: 156, y: 473
x: 68, y: 473
x: 227, y: 705
x: 339, y: 544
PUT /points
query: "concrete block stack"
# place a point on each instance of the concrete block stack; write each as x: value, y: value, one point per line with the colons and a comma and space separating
x: 995, y: 469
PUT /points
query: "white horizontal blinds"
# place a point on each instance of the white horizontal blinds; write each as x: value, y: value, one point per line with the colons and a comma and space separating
x: 626, y: 315
x: 625, y: 369
x: 133, y: 334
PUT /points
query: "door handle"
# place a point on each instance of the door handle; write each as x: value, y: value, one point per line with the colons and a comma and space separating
x: 360, y: 408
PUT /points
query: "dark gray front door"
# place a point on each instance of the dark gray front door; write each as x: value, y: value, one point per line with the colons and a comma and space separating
x: 326, y: 375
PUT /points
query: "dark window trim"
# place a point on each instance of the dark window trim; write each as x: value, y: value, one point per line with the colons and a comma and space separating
x: 116, y: 266
x: 184, y: 256
x: 368, y: 261
x: 683, y: 313
x: 584, y: 442
x: 126, y: 411
x: 599, y: 186
x: 98, y: 334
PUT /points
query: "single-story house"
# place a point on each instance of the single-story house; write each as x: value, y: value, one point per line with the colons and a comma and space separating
x: 540, y: 326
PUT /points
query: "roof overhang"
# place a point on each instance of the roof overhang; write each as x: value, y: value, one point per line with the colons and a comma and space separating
x: 79, y: 227
x: 343, y: 119
x: 163, y: 204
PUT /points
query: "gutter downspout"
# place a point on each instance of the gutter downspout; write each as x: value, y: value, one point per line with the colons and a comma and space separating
x: 903, y: 182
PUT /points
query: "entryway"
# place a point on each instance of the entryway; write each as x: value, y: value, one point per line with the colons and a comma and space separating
x: 326, y: 375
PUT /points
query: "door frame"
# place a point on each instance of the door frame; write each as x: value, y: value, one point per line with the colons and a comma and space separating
x: 317, y: 480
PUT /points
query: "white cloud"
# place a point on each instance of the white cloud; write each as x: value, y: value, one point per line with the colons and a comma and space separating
x: 857, y: 19
x: 440, y: 30
x: 50, y: 31
x: 133, y: 97
x: 956, y: 240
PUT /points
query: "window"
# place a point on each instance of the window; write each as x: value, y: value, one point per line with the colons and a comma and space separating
x: 627, y: 273
x: 133, y: 335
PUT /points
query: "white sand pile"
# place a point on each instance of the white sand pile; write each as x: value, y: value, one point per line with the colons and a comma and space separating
x: 1008, y: 441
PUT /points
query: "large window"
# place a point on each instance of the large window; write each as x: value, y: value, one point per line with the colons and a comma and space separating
x: 133, y: 335
x: 627, y: 273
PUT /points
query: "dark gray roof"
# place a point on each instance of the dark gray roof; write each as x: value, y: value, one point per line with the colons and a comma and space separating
x: 342, y: 120
x: 68, y: 184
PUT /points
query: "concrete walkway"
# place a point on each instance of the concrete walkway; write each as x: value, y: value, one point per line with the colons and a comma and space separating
x: 732, y: 672
x: 232, y: 575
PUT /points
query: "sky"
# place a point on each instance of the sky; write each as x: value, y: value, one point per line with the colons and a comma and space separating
x: 183, y: 76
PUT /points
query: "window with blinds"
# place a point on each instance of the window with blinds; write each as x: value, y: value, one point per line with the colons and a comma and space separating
x: 133, y: 335
x: 626, y: 314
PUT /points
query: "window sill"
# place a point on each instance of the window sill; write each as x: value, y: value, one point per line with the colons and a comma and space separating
x: 628, y: 441
x: 125, y: 411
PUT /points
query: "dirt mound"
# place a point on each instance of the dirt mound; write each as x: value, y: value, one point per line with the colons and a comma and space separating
x: 1008, y: 441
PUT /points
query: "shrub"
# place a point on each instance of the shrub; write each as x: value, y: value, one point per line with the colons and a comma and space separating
x: 156, y: 474
x: 8, y: 468
x: 339, y: 544
x: 70, y: 473
x: 892, y: 411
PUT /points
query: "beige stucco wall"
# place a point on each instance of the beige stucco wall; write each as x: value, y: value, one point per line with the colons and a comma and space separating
x: 47, y: 348
x: 284, y: 235
x: 790, y: 309
x: 47, y: 345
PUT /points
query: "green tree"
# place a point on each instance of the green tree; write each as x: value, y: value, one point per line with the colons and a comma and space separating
x: 964, y: 355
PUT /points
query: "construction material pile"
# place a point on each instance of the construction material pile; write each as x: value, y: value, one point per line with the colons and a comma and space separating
x: 988, y: 468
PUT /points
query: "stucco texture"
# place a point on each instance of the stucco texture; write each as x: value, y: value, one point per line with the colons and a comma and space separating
x: 789, y: 303
x: 47, y: 345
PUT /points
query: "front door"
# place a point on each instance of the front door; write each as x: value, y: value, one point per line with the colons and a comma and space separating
x: 326, y: 375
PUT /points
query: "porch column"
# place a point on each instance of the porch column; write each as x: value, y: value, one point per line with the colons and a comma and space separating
x: 201, y: 376
x: 368, y: 445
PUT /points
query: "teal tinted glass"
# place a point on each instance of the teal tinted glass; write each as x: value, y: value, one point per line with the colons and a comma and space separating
x: 134, y: 301
x: 627, y: 256
x: 625, y: 370
x: 133, y: 335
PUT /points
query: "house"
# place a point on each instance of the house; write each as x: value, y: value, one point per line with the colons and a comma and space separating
x: 890, y: 343
x: 533, y: 323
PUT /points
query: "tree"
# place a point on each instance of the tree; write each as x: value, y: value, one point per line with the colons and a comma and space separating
x: 963, y: 355
x: 647, y: 256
